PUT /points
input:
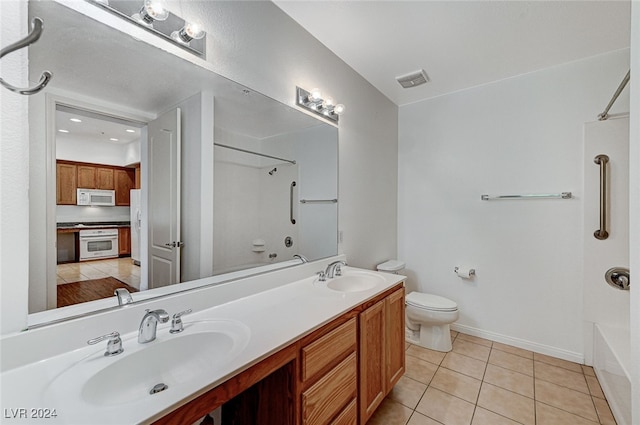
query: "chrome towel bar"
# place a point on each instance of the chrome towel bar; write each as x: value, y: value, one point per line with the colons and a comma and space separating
x: 563, y: 195
x: 318, y: 201
x: 602, y: 160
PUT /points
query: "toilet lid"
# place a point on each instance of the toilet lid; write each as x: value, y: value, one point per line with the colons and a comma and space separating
x: 430, y: 302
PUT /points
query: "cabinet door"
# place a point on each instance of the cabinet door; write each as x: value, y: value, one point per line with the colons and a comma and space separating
x: 86, y: 177
x: 66, y: 184
x: 124, y: 241
x: 124, y: 181
x: 395, y: 338
x: 372, y: 359
x: 104, y: 178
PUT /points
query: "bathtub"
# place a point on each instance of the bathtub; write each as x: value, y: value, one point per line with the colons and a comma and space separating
x: 612, y: 364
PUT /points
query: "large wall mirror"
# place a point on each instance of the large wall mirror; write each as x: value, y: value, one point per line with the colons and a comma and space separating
x: 148, y: 171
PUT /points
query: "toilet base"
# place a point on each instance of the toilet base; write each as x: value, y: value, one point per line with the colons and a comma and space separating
x: 434, y: 337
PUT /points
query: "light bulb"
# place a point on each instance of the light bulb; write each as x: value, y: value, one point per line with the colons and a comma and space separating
x: 188, y: 32
x: 315, y: 95
x: 151, y: 11
x: 338, y: 109
x: 328, y: 103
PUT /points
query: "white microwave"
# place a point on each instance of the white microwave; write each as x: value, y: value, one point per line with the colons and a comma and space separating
x: 96, y: 197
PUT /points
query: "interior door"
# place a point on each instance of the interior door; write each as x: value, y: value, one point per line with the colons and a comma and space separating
x: 164, y: 200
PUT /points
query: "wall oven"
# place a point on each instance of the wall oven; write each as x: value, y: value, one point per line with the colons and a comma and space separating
x: 98, y: 243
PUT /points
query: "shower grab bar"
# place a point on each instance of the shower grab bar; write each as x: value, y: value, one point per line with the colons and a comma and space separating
x: 293, y: 220
x: 605, y: 114
x: 563, y: 195
x: 31, y: 38
x: 290, y: 161
x: 602, y: 161
x: 318, y: 201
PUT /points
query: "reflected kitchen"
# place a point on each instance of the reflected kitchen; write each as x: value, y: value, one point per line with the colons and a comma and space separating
x: 97, y: 206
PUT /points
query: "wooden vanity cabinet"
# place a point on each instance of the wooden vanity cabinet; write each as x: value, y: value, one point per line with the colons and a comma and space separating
x: 329, y: 376
x: 336, y: 375
x: 381, y: 351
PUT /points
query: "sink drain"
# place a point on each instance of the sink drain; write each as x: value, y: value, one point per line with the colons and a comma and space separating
x: 158, y: 388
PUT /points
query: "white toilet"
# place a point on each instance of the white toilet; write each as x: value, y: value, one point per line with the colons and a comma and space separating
x: 427, y: 316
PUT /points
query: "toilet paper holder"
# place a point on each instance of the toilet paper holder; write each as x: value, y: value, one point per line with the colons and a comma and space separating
x: 472, y: 272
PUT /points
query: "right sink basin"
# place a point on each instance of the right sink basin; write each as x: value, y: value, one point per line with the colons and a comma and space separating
x: 355, y: 281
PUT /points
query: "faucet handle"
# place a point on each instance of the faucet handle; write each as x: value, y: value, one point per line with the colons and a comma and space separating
x: 338, y: 271
x: 322, y: 277
x: 114, y: 346
x: 176, y: 322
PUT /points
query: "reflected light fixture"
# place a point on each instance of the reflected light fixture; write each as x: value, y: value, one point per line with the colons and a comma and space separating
x: 313, y: 101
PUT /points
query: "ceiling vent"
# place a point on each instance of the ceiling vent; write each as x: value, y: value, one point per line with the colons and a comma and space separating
x: 414, y: 79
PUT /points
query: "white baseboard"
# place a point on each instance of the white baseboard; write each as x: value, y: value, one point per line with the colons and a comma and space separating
x: 521, y: 343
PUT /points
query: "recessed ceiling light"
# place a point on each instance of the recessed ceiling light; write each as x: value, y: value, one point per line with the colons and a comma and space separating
x: 63, y: 131
x: 113, y: 139
x: 75, y: 119
x: 130, y: 131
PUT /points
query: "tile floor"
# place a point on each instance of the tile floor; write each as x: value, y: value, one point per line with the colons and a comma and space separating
x: 481, y: 382
x: 122, y: 269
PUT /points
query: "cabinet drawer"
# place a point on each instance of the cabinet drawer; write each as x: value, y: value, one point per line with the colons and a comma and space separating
x: 324, y: 399
x: 348, y: 416
x: 323, y: 351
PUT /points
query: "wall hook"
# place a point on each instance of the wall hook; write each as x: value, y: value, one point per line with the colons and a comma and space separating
x: 31, y: 38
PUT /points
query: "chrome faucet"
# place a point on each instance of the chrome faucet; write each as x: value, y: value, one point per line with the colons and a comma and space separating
x: 149, y: 325
x: 124, y: 297
x: 301, y: 258
x: 333, y: 269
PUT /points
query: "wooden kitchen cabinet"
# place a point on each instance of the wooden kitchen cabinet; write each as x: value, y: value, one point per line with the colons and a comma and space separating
x: 124, y: 182
x: 381, y: 351
x: 124, y: 241
x: 73, y: 175
x: 95, y: 177
x: 66, y: 183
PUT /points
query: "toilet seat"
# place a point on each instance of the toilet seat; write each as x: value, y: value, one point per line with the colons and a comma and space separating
x: 430, y: 302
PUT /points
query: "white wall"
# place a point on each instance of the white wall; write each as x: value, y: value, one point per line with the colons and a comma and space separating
x: 520, y: 135
x: 72, y: 149
x: 14, y: 175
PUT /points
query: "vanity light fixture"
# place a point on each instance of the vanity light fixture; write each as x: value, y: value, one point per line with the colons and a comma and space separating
x: 313, y: 101
x: 151, y: 11
x: 153, y: 16
x: 188, y: 32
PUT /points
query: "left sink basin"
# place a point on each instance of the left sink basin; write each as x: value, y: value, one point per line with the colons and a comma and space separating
x: 170, y: 362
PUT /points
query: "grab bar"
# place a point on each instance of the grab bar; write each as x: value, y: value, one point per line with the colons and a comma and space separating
x: 31, y: 38
x: 293, y: 220
x: 318, y: 201
x: 602, y: 161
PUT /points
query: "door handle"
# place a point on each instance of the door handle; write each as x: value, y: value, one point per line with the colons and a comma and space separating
x: 175, y: 244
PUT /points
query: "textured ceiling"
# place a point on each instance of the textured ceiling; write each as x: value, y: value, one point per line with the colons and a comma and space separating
x: 460, y: 44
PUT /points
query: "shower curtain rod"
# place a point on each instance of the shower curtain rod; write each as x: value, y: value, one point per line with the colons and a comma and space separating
x: 254, y: 153
x: 605, y: 114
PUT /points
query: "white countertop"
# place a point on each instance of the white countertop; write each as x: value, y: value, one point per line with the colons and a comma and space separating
x: 274, y: 318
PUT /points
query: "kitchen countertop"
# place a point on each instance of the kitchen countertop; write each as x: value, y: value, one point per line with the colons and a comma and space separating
x: 76, y: 227
x: 274, y: 318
